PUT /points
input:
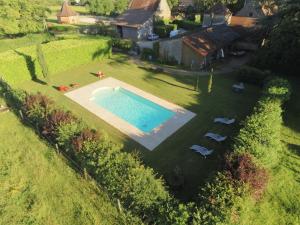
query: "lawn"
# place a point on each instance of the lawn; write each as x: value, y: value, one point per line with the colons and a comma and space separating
x: 39, y: 187
x: 174, y: 152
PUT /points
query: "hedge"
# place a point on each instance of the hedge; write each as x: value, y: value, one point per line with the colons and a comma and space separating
x: 260, y: 135
x: 120, y: 173
x: 123, y: 44
x: 21, y: 64
x: 252, y: 75
x: 163, y: 31
x: 244, y: 174
x: 187, y: 24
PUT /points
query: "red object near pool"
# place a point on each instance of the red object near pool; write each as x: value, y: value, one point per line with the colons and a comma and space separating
x: 63, y: 88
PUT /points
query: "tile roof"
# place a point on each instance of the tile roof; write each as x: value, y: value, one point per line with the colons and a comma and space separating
x: 66, y: 10
x: 211, y: 39
x: 138, y: 13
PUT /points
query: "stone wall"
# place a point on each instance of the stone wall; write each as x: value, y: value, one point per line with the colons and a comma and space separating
x: 170, y: 50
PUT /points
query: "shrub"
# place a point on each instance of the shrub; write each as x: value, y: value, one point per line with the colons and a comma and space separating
x: 187, y: 24
x: 63, y: 29
x: 217, y: 199
x: 252, y: 75
x: 37, y: 107
x: 147, y: 54
x: 85, y: 139
x: 163, y: 31
x: 242, y: 168
x: 21, y: 64
x: 56, y: 119
x: 123, y: 44
x: 278, y: 88
x: 260, y: 135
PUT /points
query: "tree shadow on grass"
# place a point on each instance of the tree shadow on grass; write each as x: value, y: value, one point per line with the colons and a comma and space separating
x: 184, y: 80
x: 31, y: 67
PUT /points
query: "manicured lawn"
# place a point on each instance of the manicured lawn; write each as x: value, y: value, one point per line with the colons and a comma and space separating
x: 39, y: 187
x: 177, y: 89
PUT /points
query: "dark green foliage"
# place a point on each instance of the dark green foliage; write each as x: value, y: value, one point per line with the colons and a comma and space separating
x: 281, y: 50
x: 217, y: 199
x: 278, y: 88
x: 19, y: 17
x: 147, y: 54
x: 123, y: 44
x: 61, y: 29
x: 42, y: 62
x: 107, y: 7
x: 187, y: 24
x: 260, y: 135
x: 252, y: 75
x: 163, y: 31
x: 204, y: 5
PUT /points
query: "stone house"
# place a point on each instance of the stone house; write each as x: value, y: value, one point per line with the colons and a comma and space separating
x: 67, y: 15
x: 137, y: 22
x: 217, y: 15
x: 201, y: 48
x: 251, y: 8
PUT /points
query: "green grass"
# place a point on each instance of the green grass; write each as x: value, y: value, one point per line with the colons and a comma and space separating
x: 38, y: 187
x: 177, y: 89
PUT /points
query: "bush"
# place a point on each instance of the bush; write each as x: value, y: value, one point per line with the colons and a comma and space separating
x: 252, y: 75
x: 242, y: 168
x: 37, y: 107
x: 260, y: 135
x: 21, y: 64
x: 187, y: 24
x: 278, y: 88
x: 147, y: 54
x: 123, y: 44
x: 63, y: 29
x: 163, y: 31
x: 217, y: 199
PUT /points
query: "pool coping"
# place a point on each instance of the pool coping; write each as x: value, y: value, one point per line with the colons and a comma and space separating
x: 150, y: 140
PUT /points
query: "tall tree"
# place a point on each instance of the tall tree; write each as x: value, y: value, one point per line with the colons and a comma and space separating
x: 280, y: 51
x: 102, y: 7
x: 42, y: 62
x: 204, y: 5
x: 21, y: 17
x: 120, y: 6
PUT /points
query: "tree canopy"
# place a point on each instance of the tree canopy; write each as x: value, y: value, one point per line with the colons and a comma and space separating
x: 21, y: 17
x: 107, y: 7
x: 280, y: 51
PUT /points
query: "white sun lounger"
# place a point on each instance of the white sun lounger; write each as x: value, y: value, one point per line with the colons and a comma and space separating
x: 202, y: 150
x: 215, y: 137
x: 238, y: 87
x: 224, y: 120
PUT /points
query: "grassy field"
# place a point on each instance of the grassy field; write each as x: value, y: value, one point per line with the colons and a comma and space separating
x: 38, y: 187
x: 177, y: 89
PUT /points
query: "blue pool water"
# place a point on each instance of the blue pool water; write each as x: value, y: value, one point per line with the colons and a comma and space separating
x: 136, y: 110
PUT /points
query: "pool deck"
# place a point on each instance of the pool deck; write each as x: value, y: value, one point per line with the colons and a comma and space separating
x: 150, y: 140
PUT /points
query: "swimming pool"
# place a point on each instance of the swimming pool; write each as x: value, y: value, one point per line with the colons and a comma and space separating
x: 134, y: 109
x: 145, y: 118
